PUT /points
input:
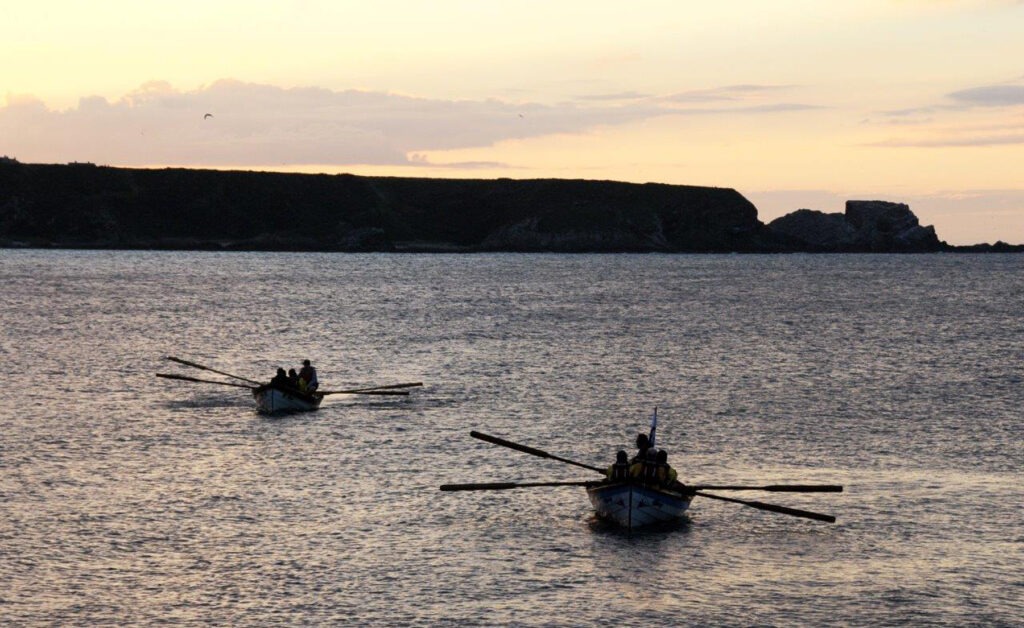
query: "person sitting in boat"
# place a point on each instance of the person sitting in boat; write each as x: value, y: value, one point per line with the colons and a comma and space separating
x: 619, y: 470
x: 642, y: 445
x: 307, y: 377
x: 280, y: 380
x: 646, y: 469
x: 293, y: 379
x: 666, y: 475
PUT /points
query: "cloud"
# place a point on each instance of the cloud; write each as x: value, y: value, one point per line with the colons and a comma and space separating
x: 953, y: 142
x: 728, y: 93
x: 779, y: 108
x: 991, y: 96
x: 255, y: 124
x: 732, y: 99
x: 910, y: 112
x: 264, y: 125
x: 616, y: 96
x: 997, y: 105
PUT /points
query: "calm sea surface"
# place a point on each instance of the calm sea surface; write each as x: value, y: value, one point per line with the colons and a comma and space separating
x: 128, y: 499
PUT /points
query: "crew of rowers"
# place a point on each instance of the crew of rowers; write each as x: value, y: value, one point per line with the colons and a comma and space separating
x: 303, y: 381
x: 649, y: 465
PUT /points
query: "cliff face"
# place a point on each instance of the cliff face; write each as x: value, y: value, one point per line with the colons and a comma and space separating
x: 85, y: 205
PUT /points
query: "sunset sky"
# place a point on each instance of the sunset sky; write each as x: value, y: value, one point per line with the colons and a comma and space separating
x: 794, y: 103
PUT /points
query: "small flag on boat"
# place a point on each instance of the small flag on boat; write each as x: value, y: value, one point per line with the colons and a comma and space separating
x: 654, y: 426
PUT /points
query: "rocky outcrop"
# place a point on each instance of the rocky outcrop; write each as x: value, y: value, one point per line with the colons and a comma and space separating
x: 883, y: 227
x: 867, y: 226
x: 814, y: 230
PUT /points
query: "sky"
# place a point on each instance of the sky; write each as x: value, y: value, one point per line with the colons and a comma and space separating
x: 793, y: 103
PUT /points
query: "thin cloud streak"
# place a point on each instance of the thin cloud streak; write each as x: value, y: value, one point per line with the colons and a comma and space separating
x: 991, y: 96
x: 727, y: 93
x: 992, y: 140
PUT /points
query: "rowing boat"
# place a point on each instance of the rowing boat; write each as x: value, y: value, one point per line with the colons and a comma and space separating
x: 633, y: 505
x: 633, y: 502
x: 273, y: 400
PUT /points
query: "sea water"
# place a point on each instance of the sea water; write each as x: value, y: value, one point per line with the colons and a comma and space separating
x: 130, y: 499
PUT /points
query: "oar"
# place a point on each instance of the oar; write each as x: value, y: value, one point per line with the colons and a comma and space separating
x: 501, y: 486
x: 206, y: 368
x: 409, y: 385
x: 782, y: 488
x: 204, y: 381
x: 369, y: 388
x: 366, y: 392
x: 530, y: 450
x: 212, y: 381
x: 773, y: 508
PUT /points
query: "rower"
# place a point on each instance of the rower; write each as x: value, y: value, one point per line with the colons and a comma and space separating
x: 650, y: 471
x: 619, y: 470
x: 645, y: 469
x: 642, y: 445
x: 280, y: 380
x: 666, y: 474
x: 307, y: 377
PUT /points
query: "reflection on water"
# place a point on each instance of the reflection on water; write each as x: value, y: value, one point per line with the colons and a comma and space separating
x: 128, y: 499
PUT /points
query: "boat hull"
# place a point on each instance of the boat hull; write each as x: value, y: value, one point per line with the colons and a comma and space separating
x: 635, y: 506
x: 270, y: 400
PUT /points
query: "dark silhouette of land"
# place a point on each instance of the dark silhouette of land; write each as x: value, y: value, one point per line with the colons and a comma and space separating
x: 88, y: 206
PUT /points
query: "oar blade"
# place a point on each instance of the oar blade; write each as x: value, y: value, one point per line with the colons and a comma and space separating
x: 502, y: 486
x: 185, y: 378
x: 794, y: 512
x: 185, y: 362
x: 373, y: 390
x: 805, y: 488
x: 530, y: 450
x: 492, y: 486
x: 778, y: 488
x: 494, y: 440
x: 390, y: 386
x: 212, y: 370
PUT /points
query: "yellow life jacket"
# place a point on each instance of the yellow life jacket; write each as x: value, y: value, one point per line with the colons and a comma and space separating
x: 618, y: 471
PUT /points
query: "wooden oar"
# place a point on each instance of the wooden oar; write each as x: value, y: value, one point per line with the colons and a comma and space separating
x: 409, y: 385
x: 501, y: 486
x: 213, y: 381
x: 782, y: 488
x: 530, y: 450
x: 369, y: 388
x: 204, y: 381
x: 212, y: 370
x: 773, y: 508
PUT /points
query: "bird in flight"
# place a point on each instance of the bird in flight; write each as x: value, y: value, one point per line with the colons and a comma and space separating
x: 209, y: 115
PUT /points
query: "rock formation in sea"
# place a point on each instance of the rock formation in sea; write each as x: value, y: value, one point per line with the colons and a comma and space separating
x: 867, y: 226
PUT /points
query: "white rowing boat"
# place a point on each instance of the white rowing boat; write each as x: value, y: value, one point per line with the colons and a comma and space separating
x: 634, y: 502
x: 273, y: 400
x: 633, y: 505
